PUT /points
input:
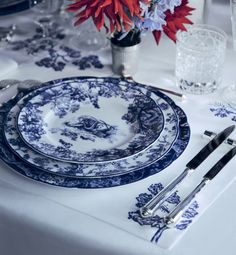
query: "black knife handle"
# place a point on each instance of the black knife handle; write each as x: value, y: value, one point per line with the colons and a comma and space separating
x: 209, y: 135
x: 210, y: 147
x: 220, y: 164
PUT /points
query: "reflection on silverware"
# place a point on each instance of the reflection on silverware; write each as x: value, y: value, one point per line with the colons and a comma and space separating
x: 28, y: 84
x: 8, y: 82
x: 9, y: 88
x: 209, y: 134
x: 174, y: 215
x: 22, y: 85
x: 8, y: 93
x: 174, y: 93
x: 149, y: 209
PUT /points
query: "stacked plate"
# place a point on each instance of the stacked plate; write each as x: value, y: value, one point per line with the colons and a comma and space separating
x: 14, y: 6
x: 92, y: 132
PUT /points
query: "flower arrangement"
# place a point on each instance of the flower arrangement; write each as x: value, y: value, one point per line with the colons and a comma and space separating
x: 125, y: 20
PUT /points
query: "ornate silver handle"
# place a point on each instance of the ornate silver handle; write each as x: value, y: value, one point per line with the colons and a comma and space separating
x: 150, y: 208
x: 174, y: 215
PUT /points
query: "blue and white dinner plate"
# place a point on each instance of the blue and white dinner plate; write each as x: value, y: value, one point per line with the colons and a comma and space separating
x: 14, y: 6
x: 91, y: 121
x: 151, y: 154
x: 97, y: 181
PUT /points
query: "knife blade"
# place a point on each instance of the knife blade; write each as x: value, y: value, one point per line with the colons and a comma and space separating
x: 150, y: 207
x: 174, y: 215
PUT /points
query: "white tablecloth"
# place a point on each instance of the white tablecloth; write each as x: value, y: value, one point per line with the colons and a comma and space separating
x: 36, y: 218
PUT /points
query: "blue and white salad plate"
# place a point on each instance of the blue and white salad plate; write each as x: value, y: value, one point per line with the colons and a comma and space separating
x: 90, y: 121
x: 98, y: 178
x: 13, y: 6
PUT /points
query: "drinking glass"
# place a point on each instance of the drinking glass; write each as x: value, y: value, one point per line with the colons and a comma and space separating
x: 22, y: 27
x: 47, y: 11
x: 87, y: 38
x: 200, y: 55
x: 84, y: 37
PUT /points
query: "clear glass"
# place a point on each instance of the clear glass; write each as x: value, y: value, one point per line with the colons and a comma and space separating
x: 86, y: 37
x: 200, y: 55
x: 46, y: 10
x: 23, y: 27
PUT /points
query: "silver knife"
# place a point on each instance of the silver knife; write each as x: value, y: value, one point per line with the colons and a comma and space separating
x: 149, y: 209
x: 174, y: 216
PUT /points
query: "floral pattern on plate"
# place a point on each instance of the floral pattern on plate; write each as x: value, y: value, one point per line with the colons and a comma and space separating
x: 25, y: 169
x: 96, y: 180
x: 158, y: 149
x: 89, y: 121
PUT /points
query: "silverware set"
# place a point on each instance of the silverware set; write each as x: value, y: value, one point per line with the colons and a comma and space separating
x: 154, y: 204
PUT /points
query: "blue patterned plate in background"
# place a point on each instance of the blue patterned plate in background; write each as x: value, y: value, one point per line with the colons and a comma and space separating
x: 158, y: 149
x: 13, y: 6
x: 90, y: 120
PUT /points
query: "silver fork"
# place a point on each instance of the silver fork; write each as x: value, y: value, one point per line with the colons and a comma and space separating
x: 174, y: 93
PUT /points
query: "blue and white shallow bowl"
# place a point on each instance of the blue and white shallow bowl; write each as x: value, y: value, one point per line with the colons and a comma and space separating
x: 151, y: 154
x: 97, y: 180
x: 90, y: 120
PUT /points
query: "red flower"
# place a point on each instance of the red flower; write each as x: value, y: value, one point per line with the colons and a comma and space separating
x: 175, y: 21
x: 118, y: 12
